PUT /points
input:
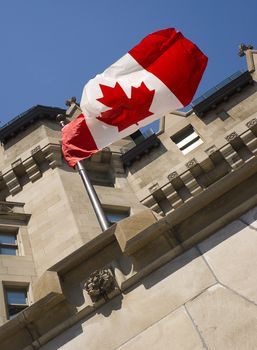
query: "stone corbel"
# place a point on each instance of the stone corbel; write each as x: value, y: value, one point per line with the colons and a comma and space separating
x: 135, y: 232
x: 32, y: 169
x: 151, y: 203
x: 53, y: 155
x: 12, y: 182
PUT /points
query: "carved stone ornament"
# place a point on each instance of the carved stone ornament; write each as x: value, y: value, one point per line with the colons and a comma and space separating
x: 231, y: 136
x: 99, y: 284
x: 251, y: 123
x: 242, y: 48
x: 172, y: 175
x: 191, y: 163
x: 35, y: 150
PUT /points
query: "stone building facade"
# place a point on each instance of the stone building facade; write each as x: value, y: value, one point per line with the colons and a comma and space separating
x: 177, y: 267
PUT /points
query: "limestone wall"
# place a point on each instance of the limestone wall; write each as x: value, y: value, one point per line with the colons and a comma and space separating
x: 204, y: 299
x: 62, y: 217
x: 168, y: 158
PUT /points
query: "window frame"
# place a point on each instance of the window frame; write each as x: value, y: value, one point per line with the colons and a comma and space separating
x: 15, y: 287
x: 14, y: 246
x: 187, y: 139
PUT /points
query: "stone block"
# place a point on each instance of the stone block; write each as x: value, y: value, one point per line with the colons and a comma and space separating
x: 175, y: 331
x: 137, y: 230
x: 158, y: 294
x: 224, y: 319
x: 231, y: 254
x: 47, y: 283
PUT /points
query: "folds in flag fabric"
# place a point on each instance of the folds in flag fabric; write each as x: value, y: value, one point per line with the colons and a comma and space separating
x: 157, y: 76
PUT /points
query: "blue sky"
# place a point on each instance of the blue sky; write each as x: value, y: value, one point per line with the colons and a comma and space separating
x: 51, y: 48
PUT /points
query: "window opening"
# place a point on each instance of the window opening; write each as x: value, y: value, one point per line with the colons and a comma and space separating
x: 8, y: 243
x: 187, y: 139
x: 115, y: 215
x: 16, y: 300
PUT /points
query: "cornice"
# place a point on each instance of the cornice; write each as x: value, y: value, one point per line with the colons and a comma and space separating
x: 27, y: 118
x: 30, y: 165
x: 198, y: 173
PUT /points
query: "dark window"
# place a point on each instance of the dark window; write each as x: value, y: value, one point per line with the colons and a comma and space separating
x: 187, y: 139
x: 137, y: 137
x: 8, y: 243
x: 115, y: 215
x: 16, y: 300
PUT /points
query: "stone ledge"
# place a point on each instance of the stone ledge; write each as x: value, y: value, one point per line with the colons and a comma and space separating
x: 136, y: 231
x: 86, y: 251
x: 48, y: 283
x: 186, y: 226
x: 133, y: 235
x: 34, y: 322
x: 13, y: 211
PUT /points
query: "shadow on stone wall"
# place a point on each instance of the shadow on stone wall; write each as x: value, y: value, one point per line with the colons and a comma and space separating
x: 235, y: 100
x: 147, y: 158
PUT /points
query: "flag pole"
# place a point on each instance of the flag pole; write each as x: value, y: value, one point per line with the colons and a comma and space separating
x: 88, y: 186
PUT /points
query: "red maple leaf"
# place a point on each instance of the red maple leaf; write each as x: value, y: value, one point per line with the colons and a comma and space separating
x: 125, y: 111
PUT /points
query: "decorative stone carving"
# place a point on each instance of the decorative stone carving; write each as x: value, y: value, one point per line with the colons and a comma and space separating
x: 99, y: 284
x: 242, y: 48
x: 251, y: 123
x: 191, y: 163
x: 35, y: 150
x: 231, y: 136
x: 172, y: 175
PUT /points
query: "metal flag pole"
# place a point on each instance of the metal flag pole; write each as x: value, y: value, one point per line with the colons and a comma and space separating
x: 88, y: 185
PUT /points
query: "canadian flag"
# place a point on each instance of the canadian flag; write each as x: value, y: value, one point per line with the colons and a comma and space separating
x: 157, y: 76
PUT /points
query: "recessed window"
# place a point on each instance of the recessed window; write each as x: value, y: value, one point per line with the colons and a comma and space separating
x: 187, y: 139
x: 8, y: 243
x: 115, y: 215
x: 16, y: 300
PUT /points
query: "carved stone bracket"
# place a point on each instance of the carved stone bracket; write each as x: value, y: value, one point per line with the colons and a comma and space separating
x: 172, y: 175
x: 151, y: 203
x: 32, y: 169
x: 211, y: 150
x: 251, y: 123
x: 231, y: 136
x: 53, y: 155
x: 99, y: 284
x: 154, y: 188
x: 12, y: 182
x: 193, y: 162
